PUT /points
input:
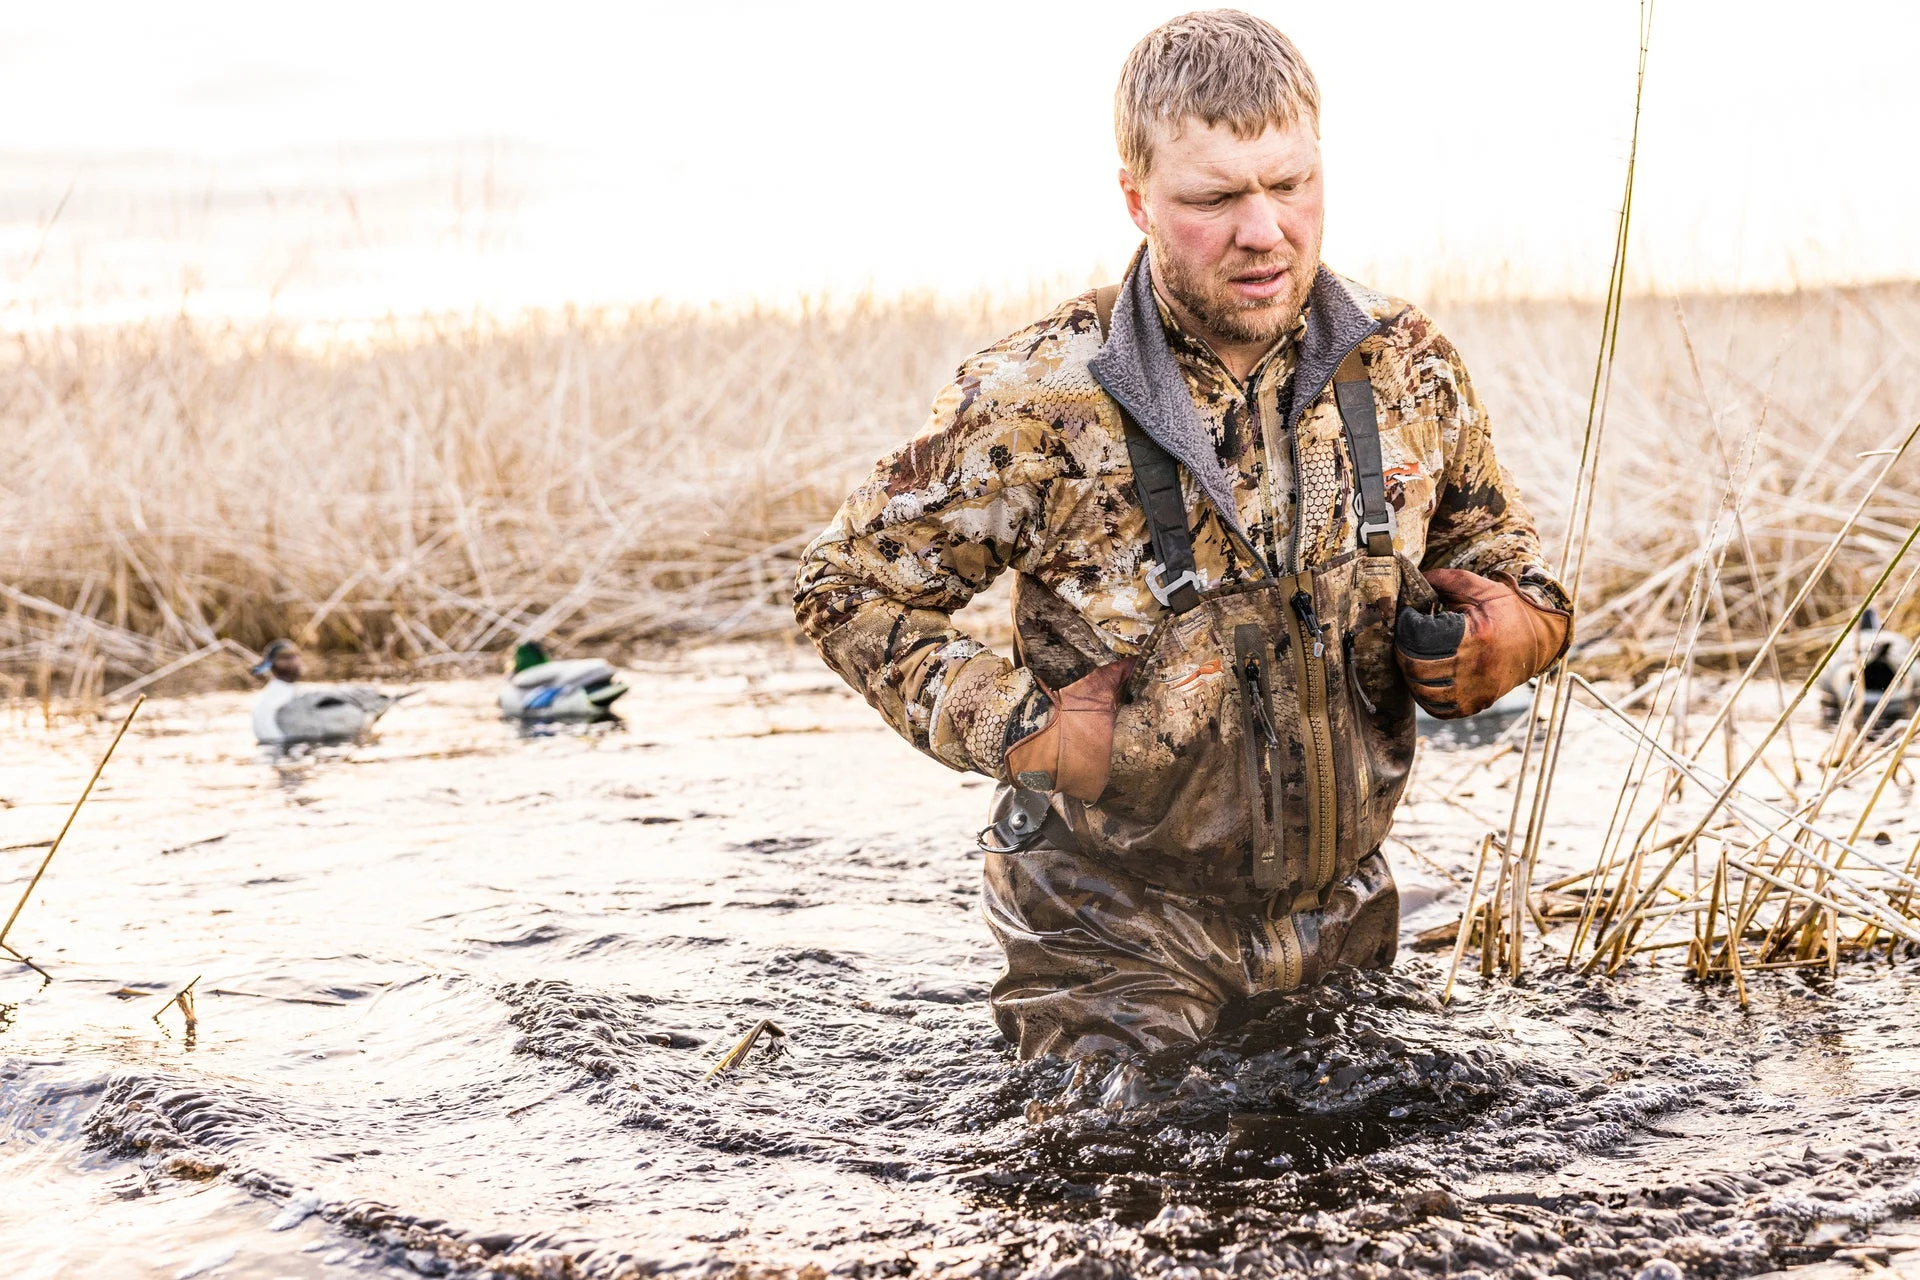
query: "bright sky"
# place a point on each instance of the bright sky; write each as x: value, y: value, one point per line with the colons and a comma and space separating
x: 353, y: 158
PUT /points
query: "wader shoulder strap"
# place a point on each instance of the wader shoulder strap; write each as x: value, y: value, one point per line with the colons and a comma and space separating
x: 1174, y: 579
x: 1353, y: 392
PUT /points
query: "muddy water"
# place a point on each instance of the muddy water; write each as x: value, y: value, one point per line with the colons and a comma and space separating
x: 459, y: 993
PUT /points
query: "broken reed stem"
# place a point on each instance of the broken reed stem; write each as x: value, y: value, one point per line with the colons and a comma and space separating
x: 183, y: 998
x: 67, y: 826
x: 738, y: 1054
x: 1713, y: 917
x: 27, y: 961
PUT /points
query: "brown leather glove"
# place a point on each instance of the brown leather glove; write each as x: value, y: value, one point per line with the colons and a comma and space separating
x: 1492, y: 639
x: 1073, y: 751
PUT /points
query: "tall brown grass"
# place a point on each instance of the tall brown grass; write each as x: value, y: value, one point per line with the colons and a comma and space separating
x: 418, y: 496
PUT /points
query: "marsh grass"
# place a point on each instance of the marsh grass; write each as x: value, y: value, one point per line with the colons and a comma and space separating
x: 422, y: 497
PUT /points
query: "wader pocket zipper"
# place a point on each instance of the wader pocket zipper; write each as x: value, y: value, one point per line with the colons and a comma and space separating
x: 1263, y: 785
x: 1255, y: 681
x: 1353, y: 679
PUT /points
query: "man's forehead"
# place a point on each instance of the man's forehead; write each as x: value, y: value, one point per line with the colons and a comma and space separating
x: 1197, y: 150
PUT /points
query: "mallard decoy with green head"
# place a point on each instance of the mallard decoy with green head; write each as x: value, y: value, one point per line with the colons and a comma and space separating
x: 542, y: 688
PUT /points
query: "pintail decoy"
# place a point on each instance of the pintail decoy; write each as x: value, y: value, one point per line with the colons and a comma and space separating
x: 287, y: 713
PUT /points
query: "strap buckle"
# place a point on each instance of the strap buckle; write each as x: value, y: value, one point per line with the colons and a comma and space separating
x: 1163, y: 591
x: 1368, y: 528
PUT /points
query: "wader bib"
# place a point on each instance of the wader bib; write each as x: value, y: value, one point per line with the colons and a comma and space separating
x: 1263, y: 744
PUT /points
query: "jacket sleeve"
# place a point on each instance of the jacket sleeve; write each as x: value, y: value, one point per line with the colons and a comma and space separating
x: 935, y: 523
x: 1479, y: 522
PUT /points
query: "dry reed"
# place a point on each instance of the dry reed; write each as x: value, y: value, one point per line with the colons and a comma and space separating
x: 603, y: 480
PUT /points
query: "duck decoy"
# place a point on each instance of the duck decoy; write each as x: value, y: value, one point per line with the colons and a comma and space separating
x: 542, y: 688
x: 288, y: 713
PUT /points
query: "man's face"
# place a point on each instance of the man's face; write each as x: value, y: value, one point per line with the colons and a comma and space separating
x: 1234, y: 226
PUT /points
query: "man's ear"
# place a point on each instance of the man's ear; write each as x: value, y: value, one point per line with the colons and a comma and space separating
x: 1136, y: 202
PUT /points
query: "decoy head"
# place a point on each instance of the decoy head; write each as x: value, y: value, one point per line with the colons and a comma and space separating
x: 282, y: 661
x: 528, y: 653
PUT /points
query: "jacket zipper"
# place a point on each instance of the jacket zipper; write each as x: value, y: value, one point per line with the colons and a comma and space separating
x: 1271, y: 552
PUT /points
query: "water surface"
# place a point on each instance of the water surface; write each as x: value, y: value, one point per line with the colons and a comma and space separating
x: 460, y: 992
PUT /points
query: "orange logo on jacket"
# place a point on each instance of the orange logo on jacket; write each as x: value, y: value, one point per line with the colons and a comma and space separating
x: 1186, y: 677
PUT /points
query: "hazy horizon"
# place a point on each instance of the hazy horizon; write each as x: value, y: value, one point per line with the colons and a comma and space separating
x: 355, y: 161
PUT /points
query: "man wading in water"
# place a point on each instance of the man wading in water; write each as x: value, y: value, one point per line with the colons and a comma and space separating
x: 1213, y: 485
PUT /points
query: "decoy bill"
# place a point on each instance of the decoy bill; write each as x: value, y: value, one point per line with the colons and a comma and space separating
x: 288, y: 714
x: 542, y: 688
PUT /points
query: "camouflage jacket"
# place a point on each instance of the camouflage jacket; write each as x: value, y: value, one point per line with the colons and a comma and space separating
x: 1024, y: 465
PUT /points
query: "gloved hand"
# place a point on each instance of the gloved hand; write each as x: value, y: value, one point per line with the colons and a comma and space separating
x: 1073, y: 751
x: 1492, y: 639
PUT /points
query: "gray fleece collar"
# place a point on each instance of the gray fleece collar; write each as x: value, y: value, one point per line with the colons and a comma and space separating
x: 1336, y: 324
x: 1136, y: 367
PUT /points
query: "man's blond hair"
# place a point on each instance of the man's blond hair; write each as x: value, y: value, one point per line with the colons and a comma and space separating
x: 1221, y: 66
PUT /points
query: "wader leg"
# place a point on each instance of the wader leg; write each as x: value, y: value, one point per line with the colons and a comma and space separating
x: 1099, y: 962
x: 1359, y: 927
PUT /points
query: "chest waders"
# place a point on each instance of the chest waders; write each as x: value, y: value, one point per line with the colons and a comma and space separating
x: 1265, y: 740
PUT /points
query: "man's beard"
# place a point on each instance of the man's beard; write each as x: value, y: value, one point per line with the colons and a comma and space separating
x: 1209, y: 297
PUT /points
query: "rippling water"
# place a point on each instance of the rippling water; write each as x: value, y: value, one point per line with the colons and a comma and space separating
x: 460, y: 992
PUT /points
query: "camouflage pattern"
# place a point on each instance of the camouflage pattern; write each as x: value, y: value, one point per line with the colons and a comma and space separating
x: 1253, y: 757
x: 1098, y: 961
x: 1024, y: 466
x: 1264, y: 737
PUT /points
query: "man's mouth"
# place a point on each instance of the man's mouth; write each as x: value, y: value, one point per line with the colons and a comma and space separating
x: 1261, y: 284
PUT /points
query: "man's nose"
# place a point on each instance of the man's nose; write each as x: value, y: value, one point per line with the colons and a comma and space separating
x: 1257, y: 229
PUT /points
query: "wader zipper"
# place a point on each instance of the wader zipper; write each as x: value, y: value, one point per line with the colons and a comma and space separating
x: 1283, y: 942
x: 1316, y: 729
x: 1310, y: 652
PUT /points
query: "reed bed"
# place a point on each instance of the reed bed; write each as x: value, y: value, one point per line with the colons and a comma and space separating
x: 1730, y: 844
x: 1763, y: 856
x: 419, y: 495
x: 427, y: 493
